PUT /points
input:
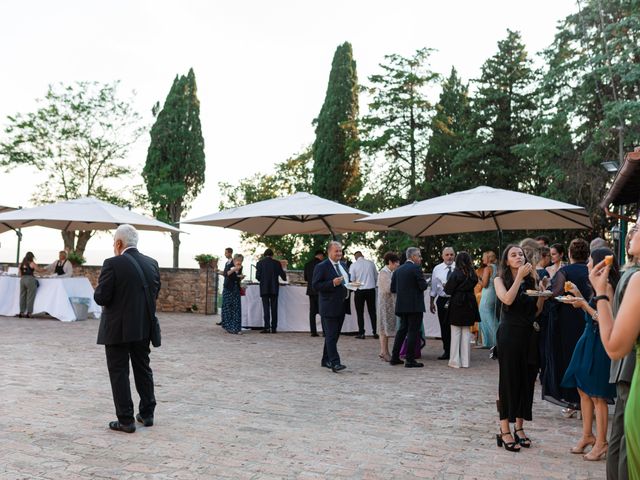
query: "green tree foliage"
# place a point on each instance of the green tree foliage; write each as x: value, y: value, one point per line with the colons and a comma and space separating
x: 396, y: 129
x: 79, y: 137
x: 336, y: 154
x: 175, y: 167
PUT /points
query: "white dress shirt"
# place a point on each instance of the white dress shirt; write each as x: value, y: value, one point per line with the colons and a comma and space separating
x: 338, y: 267
x: 439, y: 279
x: 67, y: 268
x: 365, y: 272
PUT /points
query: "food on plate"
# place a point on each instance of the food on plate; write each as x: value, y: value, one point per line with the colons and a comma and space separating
x: 568, y: 286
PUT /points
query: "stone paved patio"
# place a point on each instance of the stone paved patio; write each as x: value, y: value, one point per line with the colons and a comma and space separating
x: 260, y: 407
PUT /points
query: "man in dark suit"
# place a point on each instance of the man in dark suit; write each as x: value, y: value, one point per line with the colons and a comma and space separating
x: 128, y: 323
x: 329, y: 280
x: 268, y: 271
x: 408, y: 283
x: 311, y: 293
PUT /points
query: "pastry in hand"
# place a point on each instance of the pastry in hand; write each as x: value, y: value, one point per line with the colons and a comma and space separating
x: 568, y: 286
x: 608, y: 260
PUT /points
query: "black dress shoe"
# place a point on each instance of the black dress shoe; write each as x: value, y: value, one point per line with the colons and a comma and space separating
x: 265, y: 330
x: 273, y: 330
x: 315, y: 335
x: 338, y: 367
x: 147, y: 422
x: 396, y: 361
x: 444, y: 356
x: 325, y: 364
x: 375, y: 335
x: 218, y: 323
x: 413, y: 365
x: 361, y: 336
x: 122, y: 428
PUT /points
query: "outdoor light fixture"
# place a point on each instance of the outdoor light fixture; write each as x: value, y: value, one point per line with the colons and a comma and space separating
x: 610, y: 166
x: 615, y: 233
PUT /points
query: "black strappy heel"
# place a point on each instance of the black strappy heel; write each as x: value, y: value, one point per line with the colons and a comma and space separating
x: 523, y: 441
x: 510, y: 446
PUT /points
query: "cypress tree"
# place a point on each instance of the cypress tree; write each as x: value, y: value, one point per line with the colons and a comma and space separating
x: 175, y: 167
x: 336, y: 154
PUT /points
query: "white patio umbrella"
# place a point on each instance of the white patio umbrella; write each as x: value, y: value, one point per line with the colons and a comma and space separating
x: 483, y: 209
x: 80, y: 214
x: 298, y: 213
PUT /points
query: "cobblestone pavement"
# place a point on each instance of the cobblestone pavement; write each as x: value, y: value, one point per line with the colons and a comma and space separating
x: 257, y: 406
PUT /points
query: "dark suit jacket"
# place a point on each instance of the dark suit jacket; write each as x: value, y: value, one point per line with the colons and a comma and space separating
x: 408, y: 283
x: 120, y: 292
x: 308, y: 275
x: 463, y: 306
x: 332, y: 301
x: 267, y: 272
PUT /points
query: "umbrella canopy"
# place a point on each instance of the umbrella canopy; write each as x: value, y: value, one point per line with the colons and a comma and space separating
x: 297, y: 213
x: 80, y: 214
x: 483, y: 209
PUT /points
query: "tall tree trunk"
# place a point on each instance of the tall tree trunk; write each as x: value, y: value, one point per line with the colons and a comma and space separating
x: 83, y: 237
x: 175, y: 238
x: 69, y: 238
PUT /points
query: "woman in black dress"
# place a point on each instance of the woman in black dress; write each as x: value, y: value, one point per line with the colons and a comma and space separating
x: 518, y: 312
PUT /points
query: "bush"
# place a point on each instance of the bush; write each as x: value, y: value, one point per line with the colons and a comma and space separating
x: 75, y: 258
x: 204, y: 258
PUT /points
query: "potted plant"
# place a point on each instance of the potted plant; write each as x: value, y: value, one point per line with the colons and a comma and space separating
x: 205, y: 259
x: 75, y: 258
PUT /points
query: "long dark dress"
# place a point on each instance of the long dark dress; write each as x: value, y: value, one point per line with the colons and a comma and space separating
x: 564, y: 329
x: 590, y: 364
x: 514, y: 356
x: 231, y: 306
x: 543, y: 321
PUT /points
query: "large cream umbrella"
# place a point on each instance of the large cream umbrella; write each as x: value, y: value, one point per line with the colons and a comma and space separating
x: 483, y: 209
x: 298, y: 213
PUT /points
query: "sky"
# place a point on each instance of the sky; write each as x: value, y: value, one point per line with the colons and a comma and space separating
x: 261, y: 67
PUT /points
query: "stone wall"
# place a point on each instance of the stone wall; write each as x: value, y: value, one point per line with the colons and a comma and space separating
x: 183, y: 289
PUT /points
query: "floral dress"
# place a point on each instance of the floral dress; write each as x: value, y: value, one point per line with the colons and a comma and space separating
x: 386, y: 308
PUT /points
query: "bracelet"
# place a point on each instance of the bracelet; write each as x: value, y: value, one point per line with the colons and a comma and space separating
x: 597, y: 298
x: 595, y: 316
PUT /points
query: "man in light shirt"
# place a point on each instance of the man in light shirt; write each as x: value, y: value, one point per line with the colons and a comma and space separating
x: 365, y: 272
x: 62, y: 267
x: 439, y: 277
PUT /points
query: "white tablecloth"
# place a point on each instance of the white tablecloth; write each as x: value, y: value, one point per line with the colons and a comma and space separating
x: 52, y: 297
x: 293, y: 312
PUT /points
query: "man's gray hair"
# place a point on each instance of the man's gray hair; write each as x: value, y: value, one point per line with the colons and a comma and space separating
x: 597, y: 243
x: 333, y: 243
x: 448, y: 248
x: 411, y: 251
x: 128, y: 234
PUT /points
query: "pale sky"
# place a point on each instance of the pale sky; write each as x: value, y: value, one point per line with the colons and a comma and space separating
x: 261, y: 67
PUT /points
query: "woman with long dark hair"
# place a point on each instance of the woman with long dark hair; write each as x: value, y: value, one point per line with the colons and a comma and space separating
x: 28, y: 285
x: 589, y: 368
x: 463, y: 312
x: 231, y: 303
x: 518, y: 312
x: 556, y: 251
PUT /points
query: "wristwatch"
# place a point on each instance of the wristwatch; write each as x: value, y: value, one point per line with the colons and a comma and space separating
x: 600, y: 297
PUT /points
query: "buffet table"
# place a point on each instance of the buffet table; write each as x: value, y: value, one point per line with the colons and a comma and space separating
x: 52, y: 297
x: 293, y: 312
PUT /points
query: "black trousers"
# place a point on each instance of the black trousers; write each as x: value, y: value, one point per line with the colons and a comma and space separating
x: 409, y: 328
x: 314, y: 309
x: 332, y: 327
x: 270, y: 310
x: 359, y: 299
x: 118, y: 357
x: 445, y: 328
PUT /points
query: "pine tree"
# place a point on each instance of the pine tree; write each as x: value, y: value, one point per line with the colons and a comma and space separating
x: 336, y: 154
x: 175, y: 167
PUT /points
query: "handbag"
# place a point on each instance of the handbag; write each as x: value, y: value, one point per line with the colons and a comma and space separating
x: 156, y: 339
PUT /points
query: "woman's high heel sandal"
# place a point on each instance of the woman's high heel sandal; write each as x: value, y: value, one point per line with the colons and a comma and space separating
x: 523, y: 441
x: 581, y: 446
x: 592, y: 456
x: 510, y: 446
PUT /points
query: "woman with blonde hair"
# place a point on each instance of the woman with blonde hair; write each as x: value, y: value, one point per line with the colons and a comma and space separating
x: 488, y: 318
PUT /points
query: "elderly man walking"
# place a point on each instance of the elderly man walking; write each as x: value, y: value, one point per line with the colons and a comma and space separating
x: 127, y: 290
x: 439, y: 298
x: 408, y: 283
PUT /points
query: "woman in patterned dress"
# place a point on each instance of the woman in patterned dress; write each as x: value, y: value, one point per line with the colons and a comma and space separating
x: 231, y: 309
x: 386, y: 310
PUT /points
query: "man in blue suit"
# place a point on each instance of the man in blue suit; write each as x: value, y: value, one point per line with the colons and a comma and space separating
x: 329, y: 280
x: 408, y: 283
x: 268, y: 271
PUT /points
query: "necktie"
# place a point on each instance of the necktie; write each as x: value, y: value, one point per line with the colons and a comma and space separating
x: 448, y: 272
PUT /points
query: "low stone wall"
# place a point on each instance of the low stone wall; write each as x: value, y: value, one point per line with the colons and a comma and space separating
x: 183, y: 289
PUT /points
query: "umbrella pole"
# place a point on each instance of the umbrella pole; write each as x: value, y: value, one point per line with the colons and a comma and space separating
x: 499, y: 242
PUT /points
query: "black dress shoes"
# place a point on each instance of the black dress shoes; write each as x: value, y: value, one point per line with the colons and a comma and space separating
x: 265, y: 330
x: 273, y: 330
x: 325, y: 364
x: 218, y: 323
x: 413, y: 365
x: 147, y: 422
x: 315, y: 335
x: 338, y: 367
x: 444, y: 356
x: 396, y: 361
x: 361, y: 336
x: 122, y: 428
x: 375, y: 335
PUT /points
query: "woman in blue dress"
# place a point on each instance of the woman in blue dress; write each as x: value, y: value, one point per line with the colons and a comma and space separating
x: 588, y: 370
x: 231, y: 308
x: 489, y: 322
